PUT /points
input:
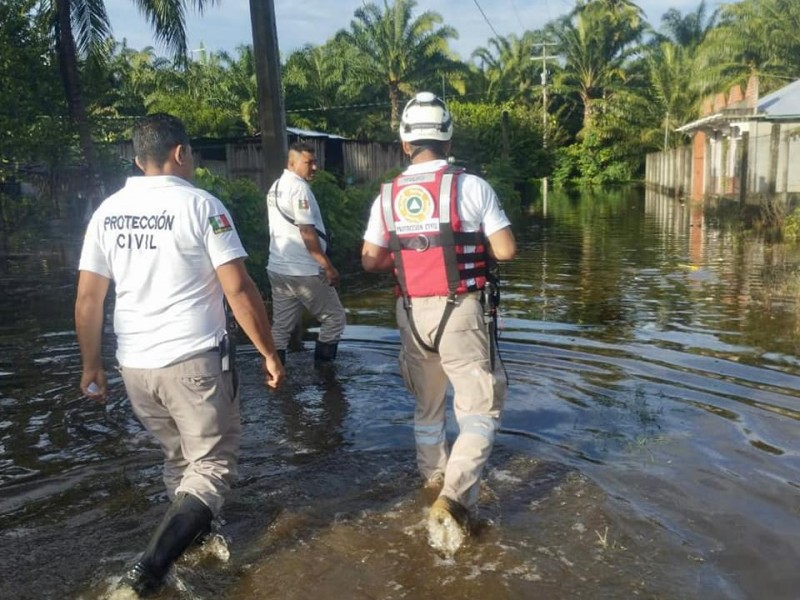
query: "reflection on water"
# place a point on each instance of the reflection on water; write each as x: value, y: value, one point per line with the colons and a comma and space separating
x: 648, y: 447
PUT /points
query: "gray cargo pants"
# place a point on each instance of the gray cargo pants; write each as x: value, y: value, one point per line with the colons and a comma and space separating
x: 290, y: 293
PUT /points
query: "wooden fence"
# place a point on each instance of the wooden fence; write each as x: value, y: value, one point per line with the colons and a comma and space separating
x: 370, y: 161
x: 353, y: 161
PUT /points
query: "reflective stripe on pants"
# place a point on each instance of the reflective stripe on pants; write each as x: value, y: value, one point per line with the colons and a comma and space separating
x: 478, y: 392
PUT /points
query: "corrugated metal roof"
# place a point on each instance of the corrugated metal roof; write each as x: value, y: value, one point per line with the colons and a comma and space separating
x: 310, y: 133
x: 784, y: 102
x: 780, y: 104
x: 700, y: 122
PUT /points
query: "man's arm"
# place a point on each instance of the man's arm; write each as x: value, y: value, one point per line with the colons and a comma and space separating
x: 314, y: 247
x: 376, y: 259
x: 502, y: 245
x: 92, y: 290
x: 248, y: 308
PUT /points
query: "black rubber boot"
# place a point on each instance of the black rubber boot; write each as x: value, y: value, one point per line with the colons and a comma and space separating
x: 186, y: 520
x: 325, y: 352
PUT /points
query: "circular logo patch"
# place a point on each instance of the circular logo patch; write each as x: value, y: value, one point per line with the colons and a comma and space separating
x: 414, y: 204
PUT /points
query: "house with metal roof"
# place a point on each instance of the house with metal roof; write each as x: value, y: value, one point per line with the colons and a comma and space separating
x: 744, y: 146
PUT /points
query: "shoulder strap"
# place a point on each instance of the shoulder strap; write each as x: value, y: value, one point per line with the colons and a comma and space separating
x: 321, y: 234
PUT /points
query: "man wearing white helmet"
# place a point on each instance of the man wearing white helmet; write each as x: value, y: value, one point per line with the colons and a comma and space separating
x: 440, y: 230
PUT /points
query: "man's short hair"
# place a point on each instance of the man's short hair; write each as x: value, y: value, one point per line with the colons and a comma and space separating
x: 303, y: 147
x: 155, y: 136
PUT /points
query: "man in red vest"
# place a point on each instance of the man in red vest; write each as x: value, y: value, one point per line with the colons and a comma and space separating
x: 441, y: 230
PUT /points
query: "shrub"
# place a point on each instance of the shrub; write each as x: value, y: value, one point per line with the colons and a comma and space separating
x: 246, y: 204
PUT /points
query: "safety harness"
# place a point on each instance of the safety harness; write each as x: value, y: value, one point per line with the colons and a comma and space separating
x: 472, y: 278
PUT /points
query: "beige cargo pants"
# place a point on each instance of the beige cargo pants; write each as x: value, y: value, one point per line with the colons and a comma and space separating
x: 478, y: 391
x: 192, y: 409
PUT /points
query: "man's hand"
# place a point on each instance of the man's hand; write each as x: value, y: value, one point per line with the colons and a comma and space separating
x: 332, y: 274
x: 94, y: 384
x: 274, y: 370
x: 249, y: 311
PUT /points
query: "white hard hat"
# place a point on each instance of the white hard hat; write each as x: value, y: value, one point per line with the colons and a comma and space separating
x: 426, y: 117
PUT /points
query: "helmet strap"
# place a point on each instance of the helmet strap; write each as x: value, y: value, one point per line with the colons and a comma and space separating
x: 436, y: 148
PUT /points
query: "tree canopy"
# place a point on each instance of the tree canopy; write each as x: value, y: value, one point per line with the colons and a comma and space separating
x: 618, y: 86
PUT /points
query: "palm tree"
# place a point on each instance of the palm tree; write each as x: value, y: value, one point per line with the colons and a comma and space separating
x: 208, y: 94
x: 754, y: 37
x: 676, y: 85
x: 689, y: 30
x: 596, y: 41
x: 508, y: 67
x: 316, y: 77
x: 401, y: 54
x: 239, y: 86
x: 670, y: 75
x: 80, y: 26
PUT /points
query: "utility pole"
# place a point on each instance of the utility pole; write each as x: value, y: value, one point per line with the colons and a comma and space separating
x: 544, y: 45
x: 271, y: 116
x: 544, y: 57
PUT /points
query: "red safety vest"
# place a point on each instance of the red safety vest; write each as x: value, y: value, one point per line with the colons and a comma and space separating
x: 432, y: 255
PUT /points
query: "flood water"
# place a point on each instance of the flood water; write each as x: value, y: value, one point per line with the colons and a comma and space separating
x: 649, y: 447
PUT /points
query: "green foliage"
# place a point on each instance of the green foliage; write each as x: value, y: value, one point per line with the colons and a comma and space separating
x: 501, y: 175
x: 760, y: 37
x: 18, y: 211
x: 589, y: 163
x: 401, y: 53
x: 507, y: 68
x: 247, y: 206
x: 615, y: 92
x: 200, y: 96
x: 791, y: 226
x: 595, y: 42
x: 345, y: 212
x: 488, y: 143
x: 31, y: 100
x: 319, y: 83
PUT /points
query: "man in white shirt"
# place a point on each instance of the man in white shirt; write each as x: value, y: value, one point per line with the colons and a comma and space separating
x: 173, y: 254
x: 440, y: 230
x: 300, y: 271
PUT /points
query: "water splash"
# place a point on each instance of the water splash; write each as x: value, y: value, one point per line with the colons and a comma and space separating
x: 445, y: 535
x: 216, y: 546
x: 120, y: 593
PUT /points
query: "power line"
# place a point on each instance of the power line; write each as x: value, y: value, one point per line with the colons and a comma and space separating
x: 516, y: 12
x: 339, y: 107
x: 485, y: 18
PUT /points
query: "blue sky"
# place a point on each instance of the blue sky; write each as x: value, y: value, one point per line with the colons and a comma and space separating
x: 300, y: 22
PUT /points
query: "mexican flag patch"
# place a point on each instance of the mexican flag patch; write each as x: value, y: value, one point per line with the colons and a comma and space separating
x: 220, y: 224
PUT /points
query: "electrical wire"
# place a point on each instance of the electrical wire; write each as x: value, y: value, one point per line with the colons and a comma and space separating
x: 485, y: 18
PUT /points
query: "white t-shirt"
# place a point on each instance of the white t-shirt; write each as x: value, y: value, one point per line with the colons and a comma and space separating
x: 288, y: 254
x: 161, y: 239
x: 478, y: 206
